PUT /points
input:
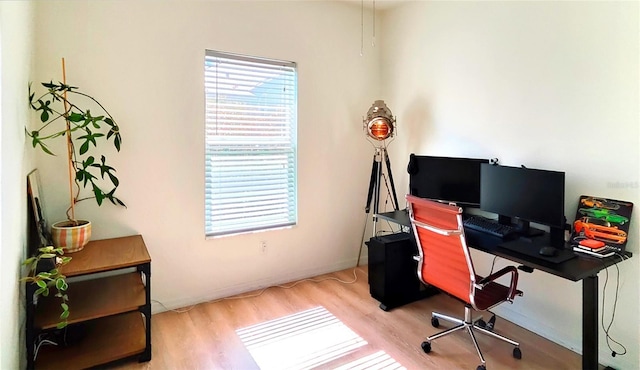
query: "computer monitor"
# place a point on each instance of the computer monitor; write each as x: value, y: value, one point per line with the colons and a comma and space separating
x: 446, y: 179
x: 526, y: 194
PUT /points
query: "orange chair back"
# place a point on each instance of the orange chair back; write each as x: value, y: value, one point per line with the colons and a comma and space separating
x: 444, y: 257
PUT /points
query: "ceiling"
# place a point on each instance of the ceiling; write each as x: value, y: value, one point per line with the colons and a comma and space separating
x: 379, y: 4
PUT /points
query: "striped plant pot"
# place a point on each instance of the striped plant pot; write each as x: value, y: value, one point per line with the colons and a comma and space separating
x: 71, y: 236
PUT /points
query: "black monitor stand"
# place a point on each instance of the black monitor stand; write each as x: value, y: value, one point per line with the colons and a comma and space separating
x: 523, y: 227
x: 531, y: 247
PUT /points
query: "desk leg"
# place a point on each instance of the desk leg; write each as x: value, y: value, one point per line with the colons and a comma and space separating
x: 590, y: 323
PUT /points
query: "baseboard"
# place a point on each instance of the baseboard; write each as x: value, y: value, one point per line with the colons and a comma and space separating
x: 539, y: 327
x: 250, y: 286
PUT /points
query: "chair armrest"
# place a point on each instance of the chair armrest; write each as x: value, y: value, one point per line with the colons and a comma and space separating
x: 514, y: 280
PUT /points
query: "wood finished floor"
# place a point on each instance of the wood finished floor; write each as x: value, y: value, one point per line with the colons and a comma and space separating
x: 205, y: 336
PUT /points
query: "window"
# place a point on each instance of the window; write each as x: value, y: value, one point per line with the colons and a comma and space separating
x: 250, y: 164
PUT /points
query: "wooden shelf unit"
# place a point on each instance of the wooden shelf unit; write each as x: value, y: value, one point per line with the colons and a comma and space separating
x: 114, y: 310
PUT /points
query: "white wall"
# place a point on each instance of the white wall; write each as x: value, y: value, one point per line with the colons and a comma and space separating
x: 550, y: 85
x: 144, y: 62
x: 15, y: 62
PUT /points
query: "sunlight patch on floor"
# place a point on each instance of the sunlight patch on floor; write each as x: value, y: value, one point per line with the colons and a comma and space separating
x: 300, y: 341
x: 379, y: 360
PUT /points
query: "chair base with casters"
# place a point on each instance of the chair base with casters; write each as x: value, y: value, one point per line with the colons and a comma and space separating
x: 470, y: 327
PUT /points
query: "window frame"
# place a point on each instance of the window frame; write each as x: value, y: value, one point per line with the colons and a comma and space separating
x: 276, y: 138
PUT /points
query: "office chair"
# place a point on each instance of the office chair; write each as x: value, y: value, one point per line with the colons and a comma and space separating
x: 444, y: 262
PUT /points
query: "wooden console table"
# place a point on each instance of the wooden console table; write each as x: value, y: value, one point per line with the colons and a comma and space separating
x: 114, y: 310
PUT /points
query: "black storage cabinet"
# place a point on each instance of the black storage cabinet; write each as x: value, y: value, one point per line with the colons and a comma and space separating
x: 393, y: 278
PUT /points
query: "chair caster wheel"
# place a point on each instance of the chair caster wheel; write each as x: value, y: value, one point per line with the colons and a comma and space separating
x: 434, y: 322
x: 426, y: 347
x: 481, y: 324
x: 517, y: 353
x: 481, y: 367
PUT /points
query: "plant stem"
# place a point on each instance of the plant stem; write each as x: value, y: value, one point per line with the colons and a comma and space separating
x: 69, y: 147
x: 95, y: 101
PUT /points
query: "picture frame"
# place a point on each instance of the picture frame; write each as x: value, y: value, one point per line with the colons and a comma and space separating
x: 602, y: 219
x: 38, y: 222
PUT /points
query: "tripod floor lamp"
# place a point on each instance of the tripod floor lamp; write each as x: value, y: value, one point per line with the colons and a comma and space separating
x: 379, y: 125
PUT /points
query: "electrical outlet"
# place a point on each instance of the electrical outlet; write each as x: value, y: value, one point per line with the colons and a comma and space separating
x: 263, y: 247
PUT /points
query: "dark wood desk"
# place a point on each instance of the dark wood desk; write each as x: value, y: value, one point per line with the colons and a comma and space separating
x: 581, y: 267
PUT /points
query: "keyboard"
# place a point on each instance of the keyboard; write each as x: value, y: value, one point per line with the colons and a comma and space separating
x: 489, y: 226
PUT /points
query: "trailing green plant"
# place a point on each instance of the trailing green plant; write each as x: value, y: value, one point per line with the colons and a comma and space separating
x: 46, y: 278
x: 60, y: 115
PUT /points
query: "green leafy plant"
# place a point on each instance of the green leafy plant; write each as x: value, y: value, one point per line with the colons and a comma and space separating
x: 46, y: 279
x: 60, y: 115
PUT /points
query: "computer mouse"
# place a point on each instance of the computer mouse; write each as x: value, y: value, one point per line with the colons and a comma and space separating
x: 548, y: 251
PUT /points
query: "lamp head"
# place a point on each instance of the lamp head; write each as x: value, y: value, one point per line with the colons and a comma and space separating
x: 379, y: 124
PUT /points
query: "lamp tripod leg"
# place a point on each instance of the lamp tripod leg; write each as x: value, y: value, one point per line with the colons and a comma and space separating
x: 393, y: 187
x: 376, y: 199
x: 364, y: 230
x: 372, y: 180
x: 374, y: 189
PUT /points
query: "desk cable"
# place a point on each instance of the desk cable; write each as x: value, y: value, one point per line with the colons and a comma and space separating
x: 613, y: 315
x: 492, y: 320
x: 493, y: 265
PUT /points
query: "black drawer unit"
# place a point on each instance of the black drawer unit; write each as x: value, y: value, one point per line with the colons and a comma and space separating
x: 393, y: 278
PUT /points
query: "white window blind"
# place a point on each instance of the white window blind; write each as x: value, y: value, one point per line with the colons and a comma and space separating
x: 251, y: 119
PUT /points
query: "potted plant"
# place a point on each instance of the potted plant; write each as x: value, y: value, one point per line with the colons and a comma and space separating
x: 66, y: 112
x: 44, y: 273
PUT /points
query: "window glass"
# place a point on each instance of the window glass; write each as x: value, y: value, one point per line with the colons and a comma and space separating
x: 250, y: 164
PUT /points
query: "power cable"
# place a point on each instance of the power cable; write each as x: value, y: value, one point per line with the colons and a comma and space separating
x: 608, y: 337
